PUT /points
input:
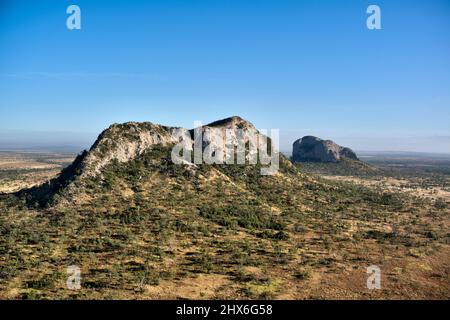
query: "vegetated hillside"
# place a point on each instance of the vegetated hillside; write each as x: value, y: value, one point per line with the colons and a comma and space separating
x: 345, y: 167
x: 140, y: 226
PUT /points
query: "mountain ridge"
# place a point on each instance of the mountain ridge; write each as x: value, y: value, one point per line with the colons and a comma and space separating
x: 127, y: 141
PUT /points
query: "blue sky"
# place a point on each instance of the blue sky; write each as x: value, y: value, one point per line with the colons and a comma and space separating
x: 305, y: 68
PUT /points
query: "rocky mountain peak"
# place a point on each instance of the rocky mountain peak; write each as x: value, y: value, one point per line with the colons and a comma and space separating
x: 123, y: 142
x: 126, y: 142
x: 234, y: 122
x: 314, y: 149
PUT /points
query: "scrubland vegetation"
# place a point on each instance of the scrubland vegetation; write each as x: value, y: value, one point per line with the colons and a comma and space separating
x: 149, y: 229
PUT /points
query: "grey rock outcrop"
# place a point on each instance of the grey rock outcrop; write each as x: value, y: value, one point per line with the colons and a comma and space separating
x: 313, y: 149
x: 124, y: 142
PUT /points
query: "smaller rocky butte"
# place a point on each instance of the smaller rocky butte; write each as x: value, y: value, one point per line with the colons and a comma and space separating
x: 313, y: 149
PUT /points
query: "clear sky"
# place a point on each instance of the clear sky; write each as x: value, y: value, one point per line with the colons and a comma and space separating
x: 305, y: 68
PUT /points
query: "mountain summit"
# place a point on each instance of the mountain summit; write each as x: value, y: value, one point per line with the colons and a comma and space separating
x: 123, y: 145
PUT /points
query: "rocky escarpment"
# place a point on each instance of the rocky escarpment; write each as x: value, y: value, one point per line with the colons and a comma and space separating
x: 313, y: 149
x: 124, y: 142
x: 121, y: 143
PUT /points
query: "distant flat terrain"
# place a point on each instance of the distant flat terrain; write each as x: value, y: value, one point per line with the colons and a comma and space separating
x: 419, y: 174
x: 24, y: 169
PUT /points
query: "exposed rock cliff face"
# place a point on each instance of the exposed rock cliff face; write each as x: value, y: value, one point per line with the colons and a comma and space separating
x: 227, y: 134
x: 314, y: 149
x: 123, y: 142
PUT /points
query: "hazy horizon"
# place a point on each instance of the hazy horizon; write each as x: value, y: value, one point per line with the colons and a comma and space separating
x: 78, y: 141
